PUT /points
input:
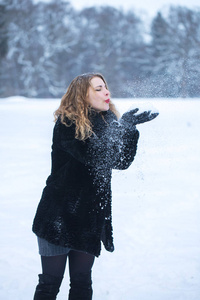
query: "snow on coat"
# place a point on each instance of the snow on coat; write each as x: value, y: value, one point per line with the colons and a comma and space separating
x: 75, y: 207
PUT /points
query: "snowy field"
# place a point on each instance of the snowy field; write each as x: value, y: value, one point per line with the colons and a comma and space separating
x: 156, y: 204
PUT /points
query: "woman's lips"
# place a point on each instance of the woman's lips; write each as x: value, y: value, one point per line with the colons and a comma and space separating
x: 108, y: 100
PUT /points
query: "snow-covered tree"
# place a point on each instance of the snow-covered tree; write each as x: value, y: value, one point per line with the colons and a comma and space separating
x: 19, y: 57
x: 109, y: 43
x: 57, y: 36
x: 175, y: 52
x: 44, y: 46
x: 38, y: 36
x: 185, y: 44
x: 3, y: 44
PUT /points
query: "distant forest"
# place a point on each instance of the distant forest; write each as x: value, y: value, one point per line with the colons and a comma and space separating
x: 44, y: 46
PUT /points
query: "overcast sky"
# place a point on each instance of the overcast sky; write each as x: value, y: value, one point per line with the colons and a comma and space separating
x: 150, y: 6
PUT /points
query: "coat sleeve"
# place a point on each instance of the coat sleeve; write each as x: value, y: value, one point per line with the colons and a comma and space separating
x: 126, y: 149
x: 115, y: 148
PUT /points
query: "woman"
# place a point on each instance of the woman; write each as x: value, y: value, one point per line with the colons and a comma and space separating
x: 74, y: 213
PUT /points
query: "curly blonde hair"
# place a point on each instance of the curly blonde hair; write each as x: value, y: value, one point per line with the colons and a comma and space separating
x: 75, y: 107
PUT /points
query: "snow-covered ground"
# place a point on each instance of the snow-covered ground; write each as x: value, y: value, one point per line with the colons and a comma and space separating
x: 156, y: 204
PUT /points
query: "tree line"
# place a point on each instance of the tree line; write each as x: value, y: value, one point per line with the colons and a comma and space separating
x: 44, y: 46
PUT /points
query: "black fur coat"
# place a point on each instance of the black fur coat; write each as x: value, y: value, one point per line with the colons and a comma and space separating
x: 75, y: 207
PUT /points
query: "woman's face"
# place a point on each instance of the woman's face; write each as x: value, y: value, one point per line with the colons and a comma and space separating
x: 98, y: 95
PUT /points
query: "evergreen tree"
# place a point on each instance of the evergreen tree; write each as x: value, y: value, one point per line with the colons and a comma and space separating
x: 109, y: 42
x: 185, y: 42
x: 174, y: 52
x: 57, y: 36
x: 3, y: 31
x: 3, y: 44
x: 44, y: 46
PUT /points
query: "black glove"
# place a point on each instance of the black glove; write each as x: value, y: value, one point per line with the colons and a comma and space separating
x: 133, y: 117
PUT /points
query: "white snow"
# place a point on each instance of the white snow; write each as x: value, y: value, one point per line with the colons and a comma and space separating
x: 143, y: 106
x: 156, y: 204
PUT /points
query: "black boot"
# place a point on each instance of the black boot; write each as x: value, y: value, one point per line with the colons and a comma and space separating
x: 48, y: 287
x: 81, y: 287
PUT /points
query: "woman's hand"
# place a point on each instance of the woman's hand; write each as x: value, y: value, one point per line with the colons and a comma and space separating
x: 134, y: 116
x: 146, y: 116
